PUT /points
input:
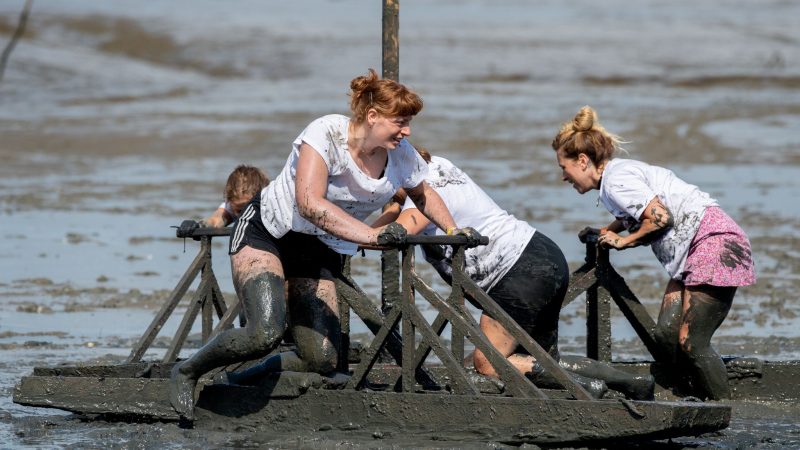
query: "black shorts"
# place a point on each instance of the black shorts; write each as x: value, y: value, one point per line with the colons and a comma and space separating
x: 533, y: 290
x: 302, y: 255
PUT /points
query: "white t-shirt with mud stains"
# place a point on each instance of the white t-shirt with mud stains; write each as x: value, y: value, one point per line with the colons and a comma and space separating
x: 348, y: 187
x: 470, y: 206
x: 628, y: 186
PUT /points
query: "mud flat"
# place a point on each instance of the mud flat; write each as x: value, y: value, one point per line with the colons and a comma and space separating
x: 120, y: 120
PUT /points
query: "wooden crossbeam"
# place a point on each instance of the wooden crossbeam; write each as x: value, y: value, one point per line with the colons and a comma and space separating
x: 371, y: 355
x: 167, y: 308
x: 515, y: 381
x: 455, y: 369
x: 185, y: 326
x: 360, y: 304
x: 535, y: 350
x: 633, y: 310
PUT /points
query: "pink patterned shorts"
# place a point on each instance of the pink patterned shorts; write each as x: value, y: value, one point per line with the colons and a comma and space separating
x: 720, y: 253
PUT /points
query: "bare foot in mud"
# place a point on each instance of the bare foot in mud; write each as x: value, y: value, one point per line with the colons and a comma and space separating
x: 181, y: 393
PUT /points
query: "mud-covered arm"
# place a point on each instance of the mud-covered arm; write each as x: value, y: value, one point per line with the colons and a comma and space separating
x: 616, y: 226
x: 430, y: 204
x: 311, y: 186
x: 589, y: 233
x: 656, y: 219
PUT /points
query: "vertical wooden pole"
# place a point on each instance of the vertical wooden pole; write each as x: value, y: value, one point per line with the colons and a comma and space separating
x: 457, y: 296
x: 390, y: 279
x: 391, y: 40
x: 407, y: 303
x: 344, y: 324
x: 208, y: 296
x: 598, y: 314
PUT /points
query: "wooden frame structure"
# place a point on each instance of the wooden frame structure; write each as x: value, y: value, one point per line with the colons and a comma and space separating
x: 376, y: 394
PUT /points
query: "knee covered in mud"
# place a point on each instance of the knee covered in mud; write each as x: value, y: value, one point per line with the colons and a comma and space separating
x: 665, y: 336
x: 695, y: 349
x: 265, y: 308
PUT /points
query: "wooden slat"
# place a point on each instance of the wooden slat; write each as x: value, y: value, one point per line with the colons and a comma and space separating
x: 167, y: 308
x: 185, y: 325
x: 458, y: 378
x: 360, y: 304
x: 371, y: 355
x: 516, y: 382
x: 525, y: 340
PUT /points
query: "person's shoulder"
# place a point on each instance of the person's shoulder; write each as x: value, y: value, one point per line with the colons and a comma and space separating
x: 440, y: 161
x: 330, y: 121
x: 327, y: 134
x: 442, y: 172
x: 618, y: 166
x: 404, y: 152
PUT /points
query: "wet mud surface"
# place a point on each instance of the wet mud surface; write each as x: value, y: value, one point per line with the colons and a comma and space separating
x: 120, y: 120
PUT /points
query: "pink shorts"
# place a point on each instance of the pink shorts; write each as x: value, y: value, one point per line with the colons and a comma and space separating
x: 720, y: 253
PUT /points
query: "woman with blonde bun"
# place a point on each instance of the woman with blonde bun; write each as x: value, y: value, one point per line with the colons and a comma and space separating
x: 705, y: 253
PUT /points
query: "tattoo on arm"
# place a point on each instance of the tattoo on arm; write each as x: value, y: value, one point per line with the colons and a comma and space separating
x: 661, y: 219
x: 662, y: 215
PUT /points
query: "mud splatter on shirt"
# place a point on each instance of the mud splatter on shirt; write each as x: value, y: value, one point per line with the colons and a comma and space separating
x: 470, y: 206
x: 348, y: 187
x: 628, y: 186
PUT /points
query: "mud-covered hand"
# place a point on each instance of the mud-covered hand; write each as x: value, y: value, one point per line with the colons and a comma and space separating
x: 609, y: 239
x: 187, y: 228
x: 392, y: 235
x: 472, y: 235
x: 589, y: 234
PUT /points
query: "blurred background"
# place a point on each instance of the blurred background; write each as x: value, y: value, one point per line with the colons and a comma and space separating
x: 120, y: 119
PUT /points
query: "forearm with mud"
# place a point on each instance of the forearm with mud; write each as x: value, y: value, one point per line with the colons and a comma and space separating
x: 334, y: 220
x: 656, y: 220
x: 644, y: 235
x: 616, y: 226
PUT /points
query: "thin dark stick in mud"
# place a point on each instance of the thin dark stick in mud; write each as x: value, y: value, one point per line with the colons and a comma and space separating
x: 23, y: 19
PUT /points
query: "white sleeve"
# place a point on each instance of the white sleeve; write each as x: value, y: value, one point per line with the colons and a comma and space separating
x: 629, y: 191
x: 319, y: 135
x: 415, y: 168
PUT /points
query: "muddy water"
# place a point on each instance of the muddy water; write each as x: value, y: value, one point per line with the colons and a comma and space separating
x: 120, y: 119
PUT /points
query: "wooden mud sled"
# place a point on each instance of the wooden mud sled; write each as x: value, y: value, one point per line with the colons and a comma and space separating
x: 411, y: 393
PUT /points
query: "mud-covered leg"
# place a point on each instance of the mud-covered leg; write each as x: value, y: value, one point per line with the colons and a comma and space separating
x: 544, y: 379
x: 315, y: 322
x: 705, y: 310
x: 669, y: 321
x: 258, y: 278
x: 636, y: 387
x: 285, y: 361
